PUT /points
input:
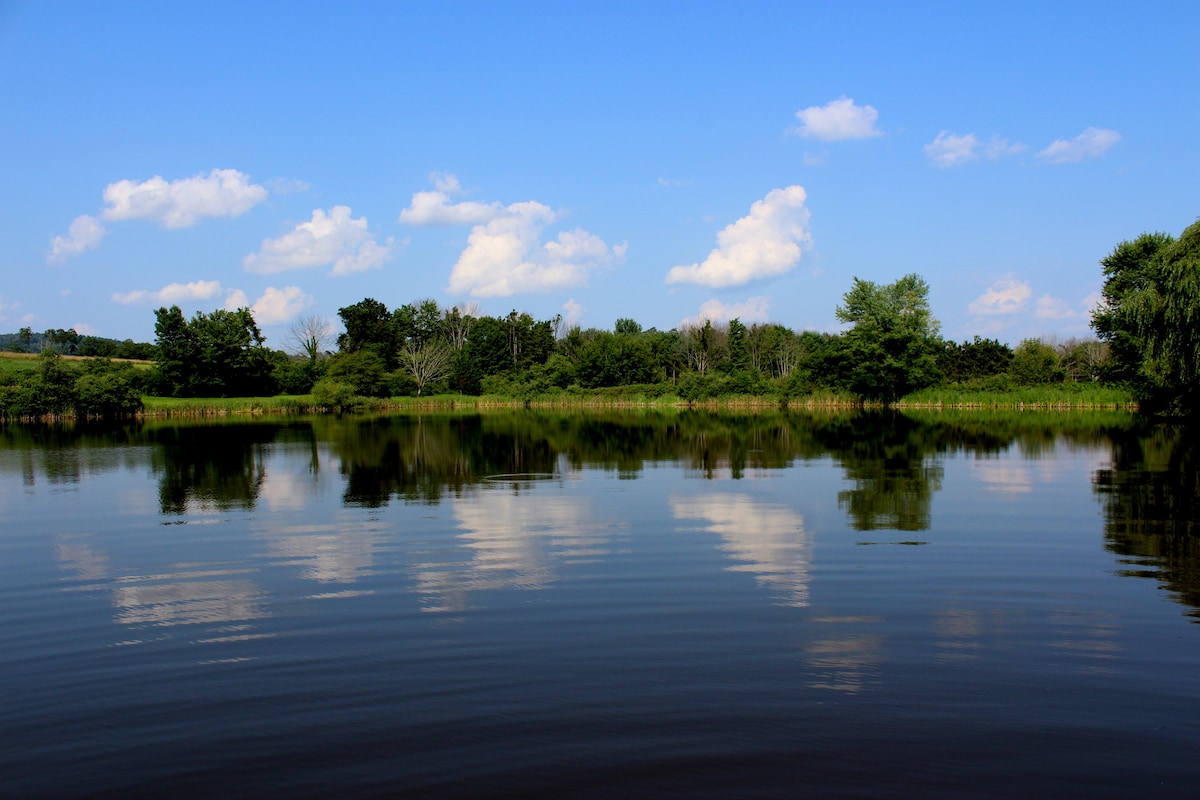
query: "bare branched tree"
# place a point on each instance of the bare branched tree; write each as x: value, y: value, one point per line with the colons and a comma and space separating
x: 457, y: 323
x: 310, y: 336
x: 426, y: 363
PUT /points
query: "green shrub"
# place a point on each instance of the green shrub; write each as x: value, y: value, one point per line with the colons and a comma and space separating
x: 334, y: 394
x: 108, y: 395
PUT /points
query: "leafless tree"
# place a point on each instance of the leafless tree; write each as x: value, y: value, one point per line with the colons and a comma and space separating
x: 426, y: 363
x: 311, y: 336
x: 458, y: 321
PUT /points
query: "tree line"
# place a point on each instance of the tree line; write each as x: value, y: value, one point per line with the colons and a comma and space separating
x: 1146, y: 327
x: 891, y: 347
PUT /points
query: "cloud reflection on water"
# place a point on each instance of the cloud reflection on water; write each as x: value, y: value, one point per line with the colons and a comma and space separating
x: 766, y: 539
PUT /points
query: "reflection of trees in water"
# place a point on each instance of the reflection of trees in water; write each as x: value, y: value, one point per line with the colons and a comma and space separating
x: 64, y: 452
x: 419, y: 458
x: 889, y: 458
x: 1151, y: 499
x: 215, y: 467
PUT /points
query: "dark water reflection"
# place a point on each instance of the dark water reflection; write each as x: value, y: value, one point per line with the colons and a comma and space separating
x: 658, y: 603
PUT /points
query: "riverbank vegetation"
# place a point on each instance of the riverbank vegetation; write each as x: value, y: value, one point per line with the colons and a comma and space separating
x: 421, y: 355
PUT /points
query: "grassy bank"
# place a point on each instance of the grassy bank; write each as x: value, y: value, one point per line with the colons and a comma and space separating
x: 1059, y: 397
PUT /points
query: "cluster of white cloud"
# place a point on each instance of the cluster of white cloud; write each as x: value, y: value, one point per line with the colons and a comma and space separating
x: 182, y: 203
x: 175, y: 204
x: 1008, y: 297
x: 1005, y: 296
x: 838, y: 119
x: 329, y: 239
x: 504, y: 254
x: 273, y: 307
x: 843, y: 119
x: 172, y: 293
x: 952, y: 150
x: 753, y: 309
x: 768, y: 242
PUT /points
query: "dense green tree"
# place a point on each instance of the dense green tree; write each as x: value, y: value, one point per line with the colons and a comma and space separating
x: 739, y: 346
x: 610, y: 359
x: 892, y: 347
x: 370, y: 326
x: 1150, y: 317
x: 220, y: 354
x: 1035, y: 362
x: 106, y: 395
x: 62, y: 340
x: 628, y: 326
x: 49, y: 391
x: 364, y: 371
x: 978, y: 358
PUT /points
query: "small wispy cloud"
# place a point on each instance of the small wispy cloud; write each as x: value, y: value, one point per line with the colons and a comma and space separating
x: 1005, y: 296
x: 1092, y: 143
x: 952, y: 150
x: 753, y: 309
x: 86, y: 233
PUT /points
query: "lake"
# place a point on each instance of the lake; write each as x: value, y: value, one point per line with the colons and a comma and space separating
x: 604, y: 604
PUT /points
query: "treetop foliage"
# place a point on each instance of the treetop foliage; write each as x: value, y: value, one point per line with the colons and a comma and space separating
x: 1150, y: 317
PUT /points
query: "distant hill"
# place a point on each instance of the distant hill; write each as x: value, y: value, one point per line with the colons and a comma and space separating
x: 70, y: 343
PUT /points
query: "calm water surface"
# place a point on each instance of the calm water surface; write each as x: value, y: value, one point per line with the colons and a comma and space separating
x: 526, y: 604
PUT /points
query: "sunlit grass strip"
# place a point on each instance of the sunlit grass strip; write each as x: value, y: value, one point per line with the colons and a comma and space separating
x: 1065, y: 396
x: 31, y: 359
x: 222, y: 406
x: 1061, y: 396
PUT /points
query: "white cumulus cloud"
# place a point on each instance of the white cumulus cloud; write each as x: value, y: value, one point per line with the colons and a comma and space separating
x: 435, y: 208
x: 838, y: 119
x: 1092, y: 143
x: 573, y: 313
x: 767, y: 242
x: 504, y: 253
x: 333, y: 239
x: 1005, y: 296
x: 86, y: 233
x: 172, y: 293
x: 505, y: 257
x: 277, y: 306
x: 181, y: 203
x: 753, y: 309
x: 951, y: 150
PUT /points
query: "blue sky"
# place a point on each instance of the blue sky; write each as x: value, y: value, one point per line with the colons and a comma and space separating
x: 662, y: 161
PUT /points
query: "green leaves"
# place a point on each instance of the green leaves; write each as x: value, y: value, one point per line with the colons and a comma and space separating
x: 893, y: 347
x: 1151, y: 318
